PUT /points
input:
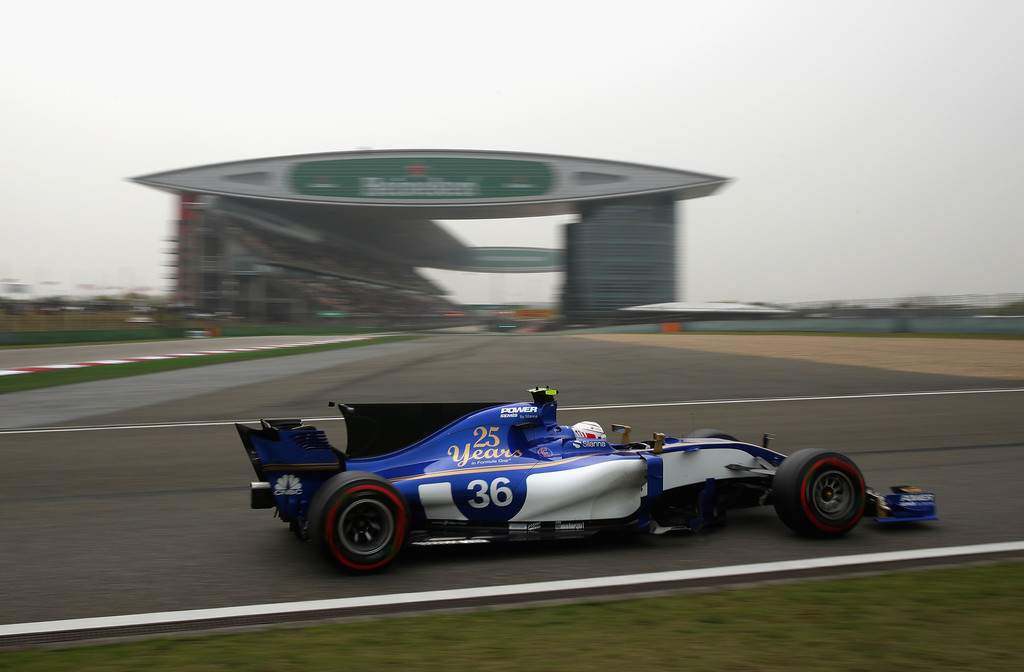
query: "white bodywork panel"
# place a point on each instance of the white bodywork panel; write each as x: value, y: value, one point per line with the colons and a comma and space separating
x: 605, y: 490
x: 438, y: 502
x: 683, y: 468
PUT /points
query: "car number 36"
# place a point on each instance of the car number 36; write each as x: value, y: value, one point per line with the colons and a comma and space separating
x: 496, y: 492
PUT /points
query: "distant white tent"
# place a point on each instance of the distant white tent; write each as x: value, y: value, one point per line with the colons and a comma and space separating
x: 700, y: 309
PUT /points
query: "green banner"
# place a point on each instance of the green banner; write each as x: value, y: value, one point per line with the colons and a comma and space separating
x: 422, y: 178
x: 512, y: 258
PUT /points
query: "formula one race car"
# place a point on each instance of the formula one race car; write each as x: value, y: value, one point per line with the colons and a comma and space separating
x: 468, y: 472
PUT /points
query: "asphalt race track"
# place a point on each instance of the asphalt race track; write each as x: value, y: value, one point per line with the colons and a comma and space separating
x: 146, y: 507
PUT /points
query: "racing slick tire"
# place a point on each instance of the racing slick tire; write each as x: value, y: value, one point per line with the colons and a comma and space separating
x: 709, y: 433
x: 819, y: 493
x: 359, y: 521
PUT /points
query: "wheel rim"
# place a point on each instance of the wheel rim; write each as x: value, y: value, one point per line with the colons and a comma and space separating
x: 366, y: 527
x: 833, y: 495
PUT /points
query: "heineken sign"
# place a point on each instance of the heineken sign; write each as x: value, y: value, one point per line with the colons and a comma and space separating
x: 422, y: 178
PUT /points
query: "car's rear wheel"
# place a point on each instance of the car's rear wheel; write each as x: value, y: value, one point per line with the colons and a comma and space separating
x: 819, y: 493
x: 359, y: 521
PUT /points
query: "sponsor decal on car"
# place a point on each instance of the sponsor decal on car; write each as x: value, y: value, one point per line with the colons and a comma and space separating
x: 289, y: 484
x: 486, y: 449
x: 589, y: 444
x: 916, y: 498
x: 468, y: 456
x: 523, y: 527
x: 518, y: 412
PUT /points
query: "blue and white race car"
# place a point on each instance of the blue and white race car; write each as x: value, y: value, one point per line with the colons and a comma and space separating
x: 467, y: 472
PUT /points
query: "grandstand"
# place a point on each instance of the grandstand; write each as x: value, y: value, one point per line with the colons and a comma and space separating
x: 278, y: 271
x: 298, y: 239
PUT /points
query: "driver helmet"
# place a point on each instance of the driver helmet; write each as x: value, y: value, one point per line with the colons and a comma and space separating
x: 588, y: 429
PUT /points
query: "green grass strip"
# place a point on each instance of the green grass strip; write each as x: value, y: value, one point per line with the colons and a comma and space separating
x: 40, y: 379
x: 948, y: 619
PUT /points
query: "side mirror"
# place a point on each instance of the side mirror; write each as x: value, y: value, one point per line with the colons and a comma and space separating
x: 625, y: 429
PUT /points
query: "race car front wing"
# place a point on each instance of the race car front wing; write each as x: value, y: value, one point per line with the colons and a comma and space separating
x: 904, y: 504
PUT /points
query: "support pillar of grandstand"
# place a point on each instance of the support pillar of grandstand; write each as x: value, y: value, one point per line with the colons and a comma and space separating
x: 620, y: 253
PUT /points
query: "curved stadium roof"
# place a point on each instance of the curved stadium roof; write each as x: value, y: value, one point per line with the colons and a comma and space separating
x: 435, y: 184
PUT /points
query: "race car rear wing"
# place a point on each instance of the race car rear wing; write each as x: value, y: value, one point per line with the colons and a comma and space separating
x: 378, y: 429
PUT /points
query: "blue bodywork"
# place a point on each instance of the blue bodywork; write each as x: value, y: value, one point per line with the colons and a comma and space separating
x: 484, y: 471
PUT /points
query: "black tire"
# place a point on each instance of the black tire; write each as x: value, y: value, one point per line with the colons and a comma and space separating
x: 819, y: 493
x: 359, y: 521
x: 708, y: 433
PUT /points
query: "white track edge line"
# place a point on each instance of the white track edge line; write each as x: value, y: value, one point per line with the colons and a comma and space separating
x: 866, y: 395
x: 191, y: 615
x: 705, y: 402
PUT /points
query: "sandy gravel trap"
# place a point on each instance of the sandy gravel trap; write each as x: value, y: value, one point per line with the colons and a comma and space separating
x: 977, y: 357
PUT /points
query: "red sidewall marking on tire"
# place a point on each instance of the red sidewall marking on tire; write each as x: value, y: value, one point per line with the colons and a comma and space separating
x: 845, y: 469
x: 330, y: 525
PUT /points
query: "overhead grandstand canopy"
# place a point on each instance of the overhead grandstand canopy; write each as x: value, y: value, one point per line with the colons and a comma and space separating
x: 436, y: 184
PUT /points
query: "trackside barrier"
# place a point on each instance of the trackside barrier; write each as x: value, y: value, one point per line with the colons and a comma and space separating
x: 86, y: 336
x: 8, y: 338
x: 878, y: 325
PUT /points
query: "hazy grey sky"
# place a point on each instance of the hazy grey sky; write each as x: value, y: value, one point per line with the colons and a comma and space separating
x: 876, y: 145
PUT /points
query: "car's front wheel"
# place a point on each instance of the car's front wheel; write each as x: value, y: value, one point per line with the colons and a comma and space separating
x: 359, y: 521
x: 819, y: 493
